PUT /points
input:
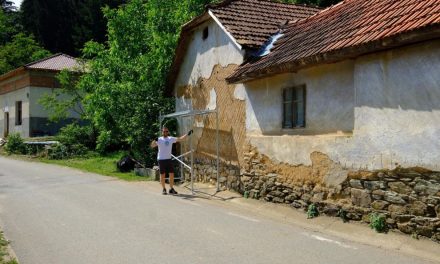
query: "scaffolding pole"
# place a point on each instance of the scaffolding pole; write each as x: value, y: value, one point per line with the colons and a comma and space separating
x: 191, y: 114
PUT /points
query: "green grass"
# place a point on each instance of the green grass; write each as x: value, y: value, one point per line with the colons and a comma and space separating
x: 5, y: 258
x: 100, y: 164
x: 95, y: 163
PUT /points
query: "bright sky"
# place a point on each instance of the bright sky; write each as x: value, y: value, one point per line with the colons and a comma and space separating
x: 17, y: 2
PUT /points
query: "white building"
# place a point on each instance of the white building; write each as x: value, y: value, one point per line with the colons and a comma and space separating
x: 20, y: 91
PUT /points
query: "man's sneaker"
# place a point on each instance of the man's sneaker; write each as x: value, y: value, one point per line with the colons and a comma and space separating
x: 164, y: 191
x: 172, y: 191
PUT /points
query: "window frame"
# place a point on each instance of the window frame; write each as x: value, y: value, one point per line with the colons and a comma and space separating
x: 18, y: 113
x: 294, y: 109
x: 205, y: 33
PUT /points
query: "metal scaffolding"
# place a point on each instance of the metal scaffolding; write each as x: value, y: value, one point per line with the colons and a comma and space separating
x: 191, y: 114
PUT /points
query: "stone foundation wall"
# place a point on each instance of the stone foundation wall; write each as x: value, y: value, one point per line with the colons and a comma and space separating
x: 205, y: 170
x: 409, y: 198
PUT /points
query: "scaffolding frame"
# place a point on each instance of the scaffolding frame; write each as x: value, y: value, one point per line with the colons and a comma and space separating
x: 191, y: 114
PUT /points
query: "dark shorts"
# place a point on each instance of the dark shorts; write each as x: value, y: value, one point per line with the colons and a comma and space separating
x: 166, y: 166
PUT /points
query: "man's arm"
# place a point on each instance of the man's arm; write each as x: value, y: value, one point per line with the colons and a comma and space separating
x: 181, y: 138
x: 153, y: 144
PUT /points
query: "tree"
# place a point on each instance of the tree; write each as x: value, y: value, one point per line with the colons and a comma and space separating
x: 20, y: 51
x: 9, y: 23
x: 124, y: 83
x: 65, y: 25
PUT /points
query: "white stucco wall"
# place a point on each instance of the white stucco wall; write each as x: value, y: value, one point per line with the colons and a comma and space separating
x: 7, y: 103
x: 329, y: 101
x: 394, y: 97
x: 202, y: 55
x: 30, y: 108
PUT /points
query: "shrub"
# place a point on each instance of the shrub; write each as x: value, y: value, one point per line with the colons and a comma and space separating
x: 343, y: 215
x: 74, y: 134
x: 378, y: 223
x: 312, y: 211
x: 75, y: 140
x: 15, y: 144
x: 58, y: 151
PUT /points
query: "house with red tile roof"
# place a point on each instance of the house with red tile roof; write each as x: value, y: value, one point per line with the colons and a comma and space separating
x: 20, y: 91
x: 210, y: 48
x: 357, y: 81
x: 339, y: 109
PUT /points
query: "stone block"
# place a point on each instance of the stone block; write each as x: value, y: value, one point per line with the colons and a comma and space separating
x: 354, y: 216
x: 397, y: 209
x: 379, y: 205
x: 299, y: 204
x: 374, y: 185
x: 403, y: 218
x: 418, y: 208
x: 393, y: 197
x: 356, y: 184
x: 424, y: 231
x: 400, y: 187
x: 317, y: 197
x: 306, y: 197
x: 379, y: 192
x: 406, y: 228
x: 360, y: 197
x: 278, y: 200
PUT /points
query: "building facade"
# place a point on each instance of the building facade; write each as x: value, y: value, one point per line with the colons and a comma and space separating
x: 20, y: 92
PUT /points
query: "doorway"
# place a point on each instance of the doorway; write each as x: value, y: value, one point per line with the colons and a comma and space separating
x: 6, y: 131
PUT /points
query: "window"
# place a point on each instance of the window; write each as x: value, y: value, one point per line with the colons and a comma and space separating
x: 18, y: 113
x: 205, y: 33
x: 294, y: 114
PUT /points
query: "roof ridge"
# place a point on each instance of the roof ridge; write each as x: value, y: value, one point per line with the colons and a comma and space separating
x: 48, y: 58
x: 319, y: 12
x: 228, y: 2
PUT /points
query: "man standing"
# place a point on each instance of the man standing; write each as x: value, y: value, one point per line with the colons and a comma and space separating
x: 165, y: 144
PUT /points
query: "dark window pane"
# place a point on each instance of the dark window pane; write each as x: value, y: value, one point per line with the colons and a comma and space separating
x: 287, y: 115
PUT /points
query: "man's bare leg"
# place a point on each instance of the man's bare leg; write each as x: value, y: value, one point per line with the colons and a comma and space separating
x: 162, y: 181
x: 171, y: 174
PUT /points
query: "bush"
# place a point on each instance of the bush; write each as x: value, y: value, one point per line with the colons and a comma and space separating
x: 15, y: 144
x: 378, y: 223
x: 75, y: 140
x: 312, y: 211
x: 74, y: 134
x: 58, y: 151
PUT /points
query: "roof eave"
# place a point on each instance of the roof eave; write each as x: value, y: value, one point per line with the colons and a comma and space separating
x: 224, y: 30
x: 406, y: 38
x: 12, y: 73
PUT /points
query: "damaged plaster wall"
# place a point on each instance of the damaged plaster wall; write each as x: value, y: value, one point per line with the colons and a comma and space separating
x: 201, y: 85
x: 203, y: 54
x: 216, y: 93
x: 378, y: 111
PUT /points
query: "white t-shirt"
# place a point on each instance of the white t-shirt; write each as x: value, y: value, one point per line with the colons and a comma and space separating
x: 165, y: 146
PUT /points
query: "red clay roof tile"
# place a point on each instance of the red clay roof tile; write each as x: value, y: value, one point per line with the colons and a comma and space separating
x: 252, y: 22
x: 348, y: 29
x: 55, y: 62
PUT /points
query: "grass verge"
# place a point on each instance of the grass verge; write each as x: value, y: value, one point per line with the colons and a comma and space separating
x: 94, y: 162
x: 100, y: 164
x: 5, y: 258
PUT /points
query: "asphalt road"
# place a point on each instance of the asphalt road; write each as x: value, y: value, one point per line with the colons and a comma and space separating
x: 59, y: 215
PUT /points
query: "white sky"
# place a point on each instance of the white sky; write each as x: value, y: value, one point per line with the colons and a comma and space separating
x: 17, y: 2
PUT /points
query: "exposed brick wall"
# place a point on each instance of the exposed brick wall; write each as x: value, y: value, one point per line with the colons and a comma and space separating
x: 231, y: 114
